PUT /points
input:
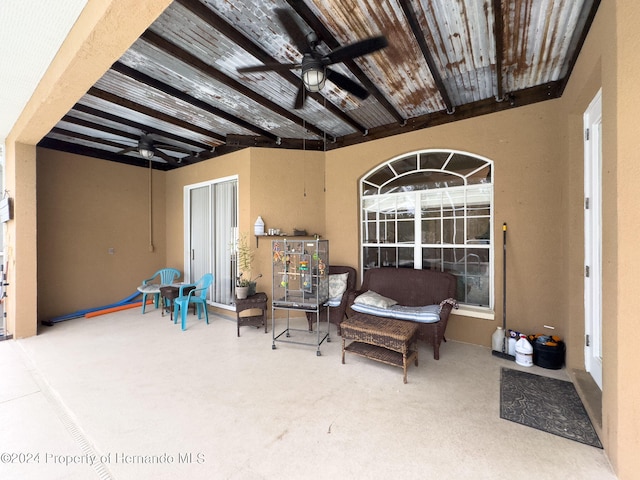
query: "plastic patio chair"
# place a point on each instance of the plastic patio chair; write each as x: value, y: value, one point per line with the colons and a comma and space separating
x: 197, y: 297
x: 167, y: 276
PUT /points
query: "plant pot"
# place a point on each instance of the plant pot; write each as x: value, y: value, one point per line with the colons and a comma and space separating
x: 242, y: 292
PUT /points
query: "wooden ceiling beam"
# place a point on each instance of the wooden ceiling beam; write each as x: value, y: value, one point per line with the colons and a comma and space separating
x: 520, y: 98
x: 216, y: 21
x: 97, y: 126
x: 286, y: 143
x: 62, y: 146
x: 124, y: 121
x: 583, y: 26
x: 89, y: 138
x: 165, y: 117
x: 498, y: 34
x: 410, y: 13
x: 193, y: 61
x: 185, y: 97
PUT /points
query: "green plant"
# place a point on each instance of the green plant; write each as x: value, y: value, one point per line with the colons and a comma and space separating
x: 244, y: 257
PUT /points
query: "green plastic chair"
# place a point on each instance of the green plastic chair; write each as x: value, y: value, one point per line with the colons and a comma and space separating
x: 167, y: 276
x: 197, y: 297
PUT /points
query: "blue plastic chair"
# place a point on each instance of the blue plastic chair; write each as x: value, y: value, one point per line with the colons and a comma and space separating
x: 167, y: 276
x: 197, y: 297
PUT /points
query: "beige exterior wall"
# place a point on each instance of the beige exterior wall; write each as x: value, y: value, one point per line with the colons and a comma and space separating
x: 609, y: 60
x: 285, y: 187
x: 622, y: 369
x: 102, y: 33
x: 537, y: 152
x: 524, y: 144
x: 85, y: 208
x: 20, y: 240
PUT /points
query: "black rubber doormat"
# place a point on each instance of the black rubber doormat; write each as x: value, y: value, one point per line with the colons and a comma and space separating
x: 548, y: 404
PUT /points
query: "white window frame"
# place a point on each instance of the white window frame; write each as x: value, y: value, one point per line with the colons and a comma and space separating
x: 412, y: 198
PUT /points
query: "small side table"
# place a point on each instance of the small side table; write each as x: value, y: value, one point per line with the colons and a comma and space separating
x: 169, y: 293
x: 258, y: 302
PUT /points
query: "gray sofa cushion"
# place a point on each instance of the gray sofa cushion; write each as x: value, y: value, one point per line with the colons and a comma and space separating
x: 423, y: 314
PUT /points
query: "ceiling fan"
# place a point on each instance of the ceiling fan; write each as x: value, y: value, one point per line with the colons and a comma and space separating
x: 147, y: 148
x: 314, y: 64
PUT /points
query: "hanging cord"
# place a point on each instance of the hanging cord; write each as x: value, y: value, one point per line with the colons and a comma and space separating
x: 304, y: 157
x: 151, y: 248
x: 324, y: 151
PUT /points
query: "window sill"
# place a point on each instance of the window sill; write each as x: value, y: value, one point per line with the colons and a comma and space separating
x: 475, y: 312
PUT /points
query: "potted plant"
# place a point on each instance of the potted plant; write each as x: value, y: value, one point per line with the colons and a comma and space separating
x: 245, y: 285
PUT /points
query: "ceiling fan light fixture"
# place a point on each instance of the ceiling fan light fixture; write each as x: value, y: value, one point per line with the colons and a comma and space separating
x: 314, y: 79
x: 145, y: 152
x: 313, y: 73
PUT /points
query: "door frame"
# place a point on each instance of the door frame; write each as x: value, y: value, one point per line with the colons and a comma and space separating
x: 593, y: 355
x: 187, y: 230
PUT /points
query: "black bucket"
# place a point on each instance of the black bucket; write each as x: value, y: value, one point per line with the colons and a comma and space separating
x: 549, y: 356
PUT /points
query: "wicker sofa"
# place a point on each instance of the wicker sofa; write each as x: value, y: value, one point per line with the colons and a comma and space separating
x: 411, y: 288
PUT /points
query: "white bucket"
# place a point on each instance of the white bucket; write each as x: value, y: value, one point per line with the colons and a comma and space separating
x: 524, y: 352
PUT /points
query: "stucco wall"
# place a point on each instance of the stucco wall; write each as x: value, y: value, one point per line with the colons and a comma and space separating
x: 525, y: 144
x: 85, y: 208
x: 102, y: 33
x: 288, y: 189
x: 285, y: 187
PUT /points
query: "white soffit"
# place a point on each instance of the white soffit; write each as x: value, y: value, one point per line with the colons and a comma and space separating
x: 31, y: 32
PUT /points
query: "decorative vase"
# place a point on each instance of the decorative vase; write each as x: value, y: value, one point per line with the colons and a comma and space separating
x: 252, y: 289
x: 242, y: 292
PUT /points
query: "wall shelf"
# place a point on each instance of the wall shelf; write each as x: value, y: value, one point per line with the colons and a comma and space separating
x: 285, y: 237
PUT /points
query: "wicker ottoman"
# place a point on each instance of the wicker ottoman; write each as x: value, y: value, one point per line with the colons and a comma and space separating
x: 382, y: 339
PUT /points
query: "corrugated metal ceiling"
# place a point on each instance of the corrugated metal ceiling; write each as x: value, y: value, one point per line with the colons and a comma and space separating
x: 446, y: 60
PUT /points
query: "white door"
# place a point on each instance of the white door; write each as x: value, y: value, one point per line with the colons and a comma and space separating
x: 593, y: 238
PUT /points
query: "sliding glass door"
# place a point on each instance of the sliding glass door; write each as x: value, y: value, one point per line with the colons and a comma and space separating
x: 211, y: 220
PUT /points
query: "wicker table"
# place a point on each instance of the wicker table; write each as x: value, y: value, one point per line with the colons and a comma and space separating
x: 258, y: 302
x: 385, y: 340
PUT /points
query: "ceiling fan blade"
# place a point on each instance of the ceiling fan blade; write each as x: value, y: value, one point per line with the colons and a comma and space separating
x: 165, y: 157
x: 293, y: 29
x: 201, y: 155
x: 347, y: 84
x: 356, y: 49
x: 197, y: 156
x: 173, y: 148
x: 277, y: 67
x: 300, y: 97
x: 127, y: 150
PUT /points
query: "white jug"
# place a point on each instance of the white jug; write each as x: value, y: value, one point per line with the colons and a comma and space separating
x: 524, y: 352
x: 258, y: 227
x: 497, y: 340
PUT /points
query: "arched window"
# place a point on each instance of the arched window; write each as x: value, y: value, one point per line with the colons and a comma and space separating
x: 432, y: 209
